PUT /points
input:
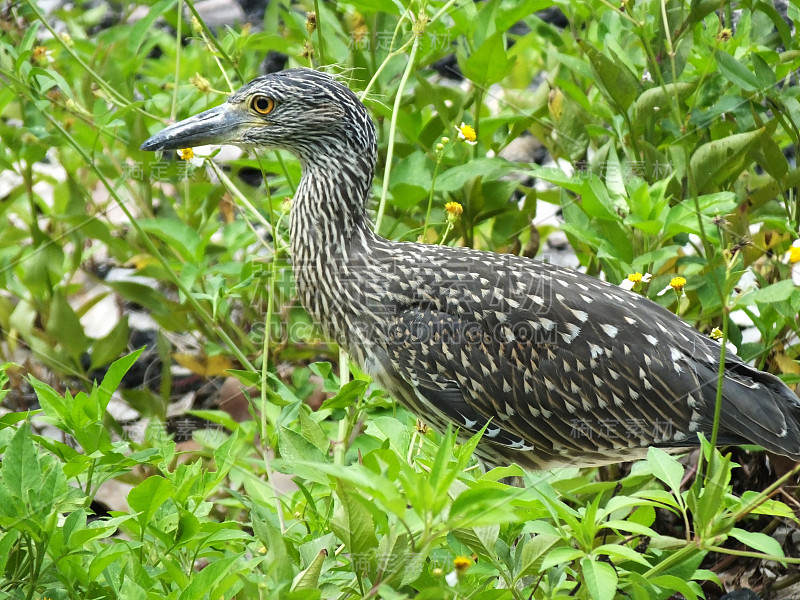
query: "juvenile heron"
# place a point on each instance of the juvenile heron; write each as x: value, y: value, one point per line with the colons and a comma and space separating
x: 564, y: 368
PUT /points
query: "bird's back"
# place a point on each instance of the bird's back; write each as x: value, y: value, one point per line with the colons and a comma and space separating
x: 567, y: 368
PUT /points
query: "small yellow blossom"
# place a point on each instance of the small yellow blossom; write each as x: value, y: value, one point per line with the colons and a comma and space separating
x: 724, y: 35
x: 421, y: 427
x: 677, y: 284
x: 186, y: 153
x: 633, y: 279
x: 454, y: 208
x: 716, y: 334
x: 437, y: 572
x: 794, y: 253
x: 462, y: 563
x: 41, y: 55
x: 467, y: 133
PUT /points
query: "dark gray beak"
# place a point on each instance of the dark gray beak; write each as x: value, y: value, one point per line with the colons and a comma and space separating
x: 214, y: 126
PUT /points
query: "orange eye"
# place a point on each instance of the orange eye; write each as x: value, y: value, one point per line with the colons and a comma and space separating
x: 262, y: 105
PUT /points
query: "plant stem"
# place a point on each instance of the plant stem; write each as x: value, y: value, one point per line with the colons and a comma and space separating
x: 319, y: 34
x: 392, y: 130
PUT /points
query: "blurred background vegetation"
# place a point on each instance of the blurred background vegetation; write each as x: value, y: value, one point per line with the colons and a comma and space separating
x: 654, y: 137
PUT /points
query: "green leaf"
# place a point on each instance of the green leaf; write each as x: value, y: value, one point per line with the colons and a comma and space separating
x: 659, y: 99
x: 534, y: 552
x: 293, y: 447
x: 352, y: 522
x: 619, y: 84
x: 673, y: 583
x: 64, y: 326
x: 308, y: 579
x: 559, y: 556
x: 776, y: 292
x: 759, y: 541
x: 600, y: 579
x: 348, y: 393
x: 736, y: 72
x: 665, y: 467
x: 714, y: 162
x: 144, y: 26
x: 20, y: 471
x: 177, y: 235
x: 147, y: 497
x: 111, y: 345
x: 489, y: 63
x: 454, y: 178
x: 205, y: 583
x: 113, y: 378
x: 621, y: 553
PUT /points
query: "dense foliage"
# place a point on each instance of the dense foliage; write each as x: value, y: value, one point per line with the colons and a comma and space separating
x: 670, y: 128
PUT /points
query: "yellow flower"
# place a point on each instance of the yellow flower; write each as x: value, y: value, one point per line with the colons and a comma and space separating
x: 677, y: 283
x: 454, y: 208
x: 41, y: 55
x: 716, y: 334
x: 794, y: 253
x: 186, y: 153
x: 462, y: 563
x: 633, y: 279
x: 467, y: 133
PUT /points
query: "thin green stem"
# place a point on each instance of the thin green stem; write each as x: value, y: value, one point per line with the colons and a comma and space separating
x: 319, y: 34
x: 392, y: 130
x: 173, y: 113
x: 430, y: 197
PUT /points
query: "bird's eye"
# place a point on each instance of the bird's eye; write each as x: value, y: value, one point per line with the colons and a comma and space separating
x: 262, y: 105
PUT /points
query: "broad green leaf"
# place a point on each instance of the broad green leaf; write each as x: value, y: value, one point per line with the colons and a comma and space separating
x: 177, y: 235
x: 621, y: 553
x: 205, y: 583
x: 147, y: 497
x: 352, y: 522
x: 714, y: 162
x: 110, y: 346
x: 735, y: 72
x: 20, y: 471
x: 567, y: 117
x: 454, y: 178
x: 659, y: 99
x: 758, y: 541
x: 600, y: 579
x: 142, y: 27
x: 534, y: 553
x: 560, y: 555
x: 665, y: 467
x: 673, y: 583
x: 308, y: 579
x: 489, y: 63
x: 619, y: 84
x: 65, y: 327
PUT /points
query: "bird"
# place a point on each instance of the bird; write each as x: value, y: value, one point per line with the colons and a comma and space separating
x: 557, y: 368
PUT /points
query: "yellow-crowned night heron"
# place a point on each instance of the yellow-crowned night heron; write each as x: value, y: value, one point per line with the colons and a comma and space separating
x: 565, y: 369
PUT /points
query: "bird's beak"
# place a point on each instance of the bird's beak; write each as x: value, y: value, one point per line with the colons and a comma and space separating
x: 215, y: 126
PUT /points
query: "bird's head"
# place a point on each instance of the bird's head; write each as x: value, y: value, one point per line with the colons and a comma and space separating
x: 303, y: 111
